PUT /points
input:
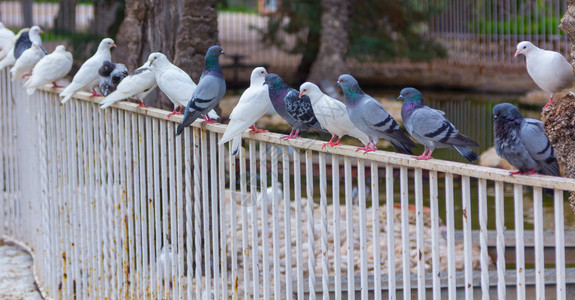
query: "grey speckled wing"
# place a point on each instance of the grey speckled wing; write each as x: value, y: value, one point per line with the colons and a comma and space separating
x: 532, y: 133
x: 300, y: 110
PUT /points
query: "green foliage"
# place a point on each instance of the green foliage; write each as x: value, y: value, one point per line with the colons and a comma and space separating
x: 236, y: 6
x: 379, y: 29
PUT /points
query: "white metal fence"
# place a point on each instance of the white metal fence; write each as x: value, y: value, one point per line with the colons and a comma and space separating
x: 112, y: 204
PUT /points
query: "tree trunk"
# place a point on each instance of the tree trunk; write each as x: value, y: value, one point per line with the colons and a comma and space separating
x: 334, y: 42
x: 27, y: 13
x: 559, y: 118
x: 66, y: 19
x: 181, y: 29
x: 110, y: 14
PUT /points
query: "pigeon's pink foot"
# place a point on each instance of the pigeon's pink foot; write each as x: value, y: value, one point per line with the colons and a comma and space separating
x: 141, y: 103
x: 365, y: 148
x: 548, y: 103
x: 530, y: 172
x: 55, y: 85
x: 290, y: 136
x: 174, y: 112
x: 207, y: 120
x: 26, y: 75
x: 94, y: 94
x: 422, y: 157
x: 330, y: 143
x: 254, y: 130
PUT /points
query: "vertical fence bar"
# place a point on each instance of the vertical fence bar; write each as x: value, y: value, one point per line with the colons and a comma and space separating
x: 171, y: 209
x: 500, y: 227
x: 165, y: 255
x: 467, y: 234
x: 287, y: 219
x: 244, y: 203
x: 144, y: 211
x: 418, y: 185
x: 389, y: 201
x: 376, y: 230
x: 559, y: 243
x: 214, y: 173
x: 188, y: 145
x: 222, y: 229
x: 336, y: 225
x: 205, y: 214
x: 310, y: 224
x: 323, y: 225
x: 434, y: 203
x: 405, y: 248
x: 519, y: 243
x: 362, y: 227
x: 265, y: 222
x: 276, y: 224
x: 449, y: 211
x: 197, y: 216
x: 349, y: 228
x: 482, y: 199
x: 298, y: 211
x: 539, y: 254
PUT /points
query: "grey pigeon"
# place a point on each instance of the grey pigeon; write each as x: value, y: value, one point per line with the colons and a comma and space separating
x: 209, y: 92
x: 371, y: 118
x: 109, y: 76
x: 286, y: 101
x: 26, y: 39
x: 522, y: 142
x: 430, y: 127
x: 549, y: 69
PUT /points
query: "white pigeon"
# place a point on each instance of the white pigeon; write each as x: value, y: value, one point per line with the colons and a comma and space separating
x: 50, y: 69
x: 139, y: 84
x: 253, y: 104
x: 87, y: 75
x: 26, y: 62
x: 173, y: 81
x: 5, y: 36
x: 7, y: 53
x: 549, y: 69
x: 331, y: 114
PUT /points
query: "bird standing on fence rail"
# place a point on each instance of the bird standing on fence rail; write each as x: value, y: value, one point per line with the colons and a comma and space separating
x: 87, y: 75
x: 7, y: 54
x: 5, y: 36
x: 253, y: 104
x: 522, y: 142
x: 29, y: 58
x: 173, y: 81
x: 331, y: 114
x: 285, y: 100
x: 26, y: 39
x: 50, y: 69
x: 138, y: 84
x: 549, y: 69
x: 371, y: 118
x: 209, y: 92
x: 430, y: 127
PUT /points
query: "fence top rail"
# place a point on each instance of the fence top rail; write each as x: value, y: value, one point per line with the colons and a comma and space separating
x: 386, y: 157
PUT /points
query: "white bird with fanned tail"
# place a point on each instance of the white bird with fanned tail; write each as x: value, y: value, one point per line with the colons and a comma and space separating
x: 138, y: 84
x: 331, y: 114
x: 87, y: 75
x: 173, y: 81
x: 26, y: 62
x: 50, y: 69
x: 549, y: 69
x: 253, y: 104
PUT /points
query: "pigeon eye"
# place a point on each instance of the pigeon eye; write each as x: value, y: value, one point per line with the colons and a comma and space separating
x: 524, y: 47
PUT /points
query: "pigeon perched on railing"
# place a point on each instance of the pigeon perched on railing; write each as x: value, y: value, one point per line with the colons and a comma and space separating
x: 371, y: 118
x: 27, y: 61
x: 7, y: 53
x: 549, y: 69
x: 209, y: 92
x: 87, y: 75
x: 173, y: 81
x: 430, y: 127
x: 26, y: 39
x: 50, y: 69
x: 109, y: 76
x: 285, y: 100
x: 138, y: 84
x: 331, y: 114
x: 5, y: 36
x: 253, y: 104
x: 522, y: 142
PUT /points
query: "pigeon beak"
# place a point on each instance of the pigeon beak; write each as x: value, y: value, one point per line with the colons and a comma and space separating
x: 337, y: 83
x: 223, y: 53
x: 114, y: 45
x: 400, y: 97
x: 517, y: 53
x: 41, y: 31
x: 300, y: 94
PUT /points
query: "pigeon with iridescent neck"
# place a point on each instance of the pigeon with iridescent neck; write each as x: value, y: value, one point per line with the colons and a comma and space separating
x: 522, y: 142
x: 371, y: 118
x: 287, y: 103
x: 430, y: 127
x: 209, y: 92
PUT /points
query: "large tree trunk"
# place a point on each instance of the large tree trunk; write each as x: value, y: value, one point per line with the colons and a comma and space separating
x: 330, y: 61
x: 181, y: 29
x: 559, y: 118
x: 66, y: 19
x: 110, y: 14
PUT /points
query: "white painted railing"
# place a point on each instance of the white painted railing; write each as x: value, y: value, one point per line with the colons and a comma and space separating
x: 97, y: 197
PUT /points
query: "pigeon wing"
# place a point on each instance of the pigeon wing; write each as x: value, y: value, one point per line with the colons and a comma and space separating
x: 430, y: 124
x: 22, y: 44
x: 532, y: 133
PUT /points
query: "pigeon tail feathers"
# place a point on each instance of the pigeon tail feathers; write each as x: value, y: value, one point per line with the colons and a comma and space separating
x: 467, y: 152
